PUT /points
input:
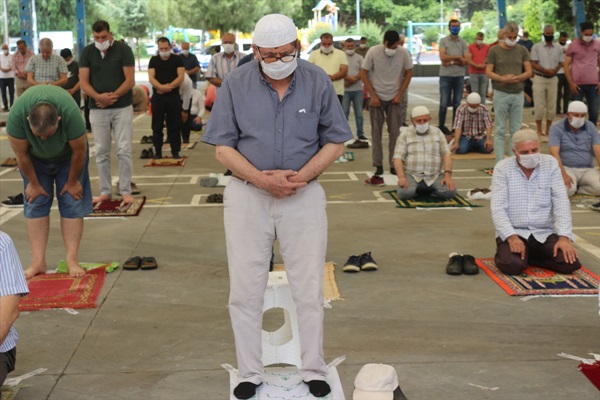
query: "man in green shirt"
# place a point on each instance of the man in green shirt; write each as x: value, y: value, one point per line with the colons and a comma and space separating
x: 47, y: 134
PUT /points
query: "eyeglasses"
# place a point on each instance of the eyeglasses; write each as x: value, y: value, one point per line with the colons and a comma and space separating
x: 270, y: 58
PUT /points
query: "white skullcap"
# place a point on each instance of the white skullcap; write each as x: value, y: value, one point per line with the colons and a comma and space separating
x: 419, y: 110
x: 524, y: 135
x: 474, y: 98
x: 274, y: 30
x: 578, y: 107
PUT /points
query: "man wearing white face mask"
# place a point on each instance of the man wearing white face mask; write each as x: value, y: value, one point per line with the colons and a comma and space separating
x: 190, y: 62
x: 277, y: 125
x: 333, y: 62
x: 421, y: 153
x: 531, y: 211
x: 221, y: 64
x: 508, y: 66
x: 476, y: 55
x: 574, y: 142
x: 72, y: 86
x: 107, y: 75
x: 472, y: 127
x: 7, y: 78
x: 581, y: 69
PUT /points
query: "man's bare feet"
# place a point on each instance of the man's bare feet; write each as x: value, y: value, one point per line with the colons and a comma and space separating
x: 127, y: 198
x: 75, y: 269
x: 102, y: 197
x: 34, y: 270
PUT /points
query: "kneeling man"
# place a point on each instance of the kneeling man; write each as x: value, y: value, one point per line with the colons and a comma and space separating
x: 473, y: 127
x: 421, y: 151
x: 531, y: 210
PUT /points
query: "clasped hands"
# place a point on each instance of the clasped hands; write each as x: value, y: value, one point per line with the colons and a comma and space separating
x: 281, y: 183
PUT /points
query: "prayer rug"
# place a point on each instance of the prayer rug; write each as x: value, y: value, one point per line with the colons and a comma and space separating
x: 430, y: 202
x: 166, y: 162
x: 473, y: 156
x: 536, y: 281
x: 63, y: 291
x: 117, y: 208
x: 109, y: 267
x: 330, y: 289
x: 9, y: 392
x: 489, y: 171
x: 584, y: 200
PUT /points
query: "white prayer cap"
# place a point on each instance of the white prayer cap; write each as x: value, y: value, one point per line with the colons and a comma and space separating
x: 375, y: 382
x: 419, y: 111
x: 474, y: 98
x: 524, y: 135
x: 274, y: 30
x: 578, y: 107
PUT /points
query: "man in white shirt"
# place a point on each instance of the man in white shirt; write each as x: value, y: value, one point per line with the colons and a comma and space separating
x: 7, y: 78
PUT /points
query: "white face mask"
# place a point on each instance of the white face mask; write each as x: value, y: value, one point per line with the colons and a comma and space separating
x: 362, y: 45
x: 390, y: 52
x: 479, y: 42
x: 587, y: 38
x: 228, y: 48
x: 510, y: 43
x: 472, y: 109
x: 185, y: 52
x: 577, y: 122
x: 422, y: 128
x: 326, y: 50
x: 350, y: 52
x: 69, y: 62
x: 279, y: 70
x: 529, y: 161
x: 5, y: 52
x: 164, y: 54
x: 102, y: 46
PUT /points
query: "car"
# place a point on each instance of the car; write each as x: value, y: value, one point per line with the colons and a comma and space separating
x: 337, y: 40
x: 151, y: 49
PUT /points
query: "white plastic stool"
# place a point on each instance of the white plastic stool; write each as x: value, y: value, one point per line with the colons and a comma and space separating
x: 283, y: 345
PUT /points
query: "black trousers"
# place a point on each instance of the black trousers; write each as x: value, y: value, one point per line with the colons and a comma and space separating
x: 7, y: 364
x: 166, y: 107
x: 7, y: 83
x: 563, y: 95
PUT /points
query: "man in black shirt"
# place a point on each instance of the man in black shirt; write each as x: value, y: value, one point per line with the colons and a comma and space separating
x: 72, y: 85
x: 166, y: 72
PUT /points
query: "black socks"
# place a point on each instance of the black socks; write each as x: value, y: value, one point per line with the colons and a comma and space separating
x: 245, y: 390
x: 318, y: 388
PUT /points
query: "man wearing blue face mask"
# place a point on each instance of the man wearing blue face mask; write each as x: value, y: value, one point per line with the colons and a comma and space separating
x: 277, y: 124
x: 574, y: 142
x: 454, y: 52
x: 107, y: 75
x: 531, y: 211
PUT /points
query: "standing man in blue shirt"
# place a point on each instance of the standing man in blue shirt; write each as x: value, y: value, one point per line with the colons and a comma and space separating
x: 574, y: 142
x: 13, y: 286
x: 277, y: 125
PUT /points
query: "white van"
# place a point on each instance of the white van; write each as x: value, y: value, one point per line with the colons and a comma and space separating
x: 336, y: 43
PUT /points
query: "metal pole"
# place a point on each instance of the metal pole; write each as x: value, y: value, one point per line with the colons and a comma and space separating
x: 25, y: 22
x: 6, y: 35
x: 357, y: 16
x: 442, y: 16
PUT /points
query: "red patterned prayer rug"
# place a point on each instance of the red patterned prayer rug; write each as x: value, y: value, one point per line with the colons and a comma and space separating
x: 117, y: 208
x: 63, y: 291
x: 536, y: 281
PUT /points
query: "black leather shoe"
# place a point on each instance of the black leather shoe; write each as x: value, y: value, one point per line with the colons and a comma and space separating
x: 144, y: 154
x: 455, y: 265
x: 469, y: 266
x: 318, y: 388
x: 245, y: 390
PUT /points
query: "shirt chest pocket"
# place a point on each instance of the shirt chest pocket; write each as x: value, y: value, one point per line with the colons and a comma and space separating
x: 543, y: 195
x: 305, y: 126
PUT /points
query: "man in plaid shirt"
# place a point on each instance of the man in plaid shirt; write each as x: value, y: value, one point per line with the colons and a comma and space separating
x: 421, y: 151
x: 472, y: 127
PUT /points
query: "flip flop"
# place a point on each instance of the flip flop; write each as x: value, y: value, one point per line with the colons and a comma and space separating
x: 148, y: 263
x: 132, y: 263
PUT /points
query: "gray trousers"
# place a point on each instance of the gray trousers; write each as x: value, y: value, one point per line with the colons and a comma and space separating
x: 436, y: 188
x: 253, y: 220
x: 392, y: 115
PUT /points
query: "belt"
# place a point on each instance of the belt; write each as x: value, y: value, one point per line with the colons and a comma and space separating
x: 547, y: 77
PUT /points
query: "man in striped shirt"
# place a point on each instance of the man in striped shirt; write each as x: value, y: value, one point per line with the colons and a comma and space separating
x: 13, y: 286
x: 221, y: 64
x: 472, y: 127
x: 531, y: 210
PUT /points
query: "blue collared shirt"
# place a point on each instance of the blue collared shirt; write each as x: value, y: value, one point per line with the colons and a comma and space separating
x: 12, y: 281
x: 273, y: 134
x: 575, y: 148
x: 537, y: 206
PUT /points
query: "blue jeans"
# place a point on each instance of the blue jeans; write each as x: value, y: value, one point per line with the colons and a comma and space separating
x: 53, y: 175
x: 479, y: 85
x: 356, y: 97
x: 506, y: 105
x: 466, y: 145
x: 591, y: 97
x: 451, y: 88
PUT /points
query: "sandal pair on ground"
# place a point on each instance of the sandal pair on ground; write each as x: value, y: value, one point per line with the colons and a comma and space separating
x: 143, y: 263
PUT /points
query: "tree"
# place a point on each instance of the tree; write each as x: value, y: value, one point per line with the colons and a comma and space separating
x: 133, y: 22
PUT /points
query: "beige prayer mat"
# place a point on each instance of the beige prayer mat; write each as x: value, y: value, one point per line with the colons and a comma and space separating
x: 330, y: 289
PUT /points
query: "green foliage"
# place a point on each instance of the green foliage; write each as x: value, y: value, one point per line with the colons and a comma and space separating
x: 431, y: 35
x: 369, y: 29
x: 533, y: 21
x: 468, y: 34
